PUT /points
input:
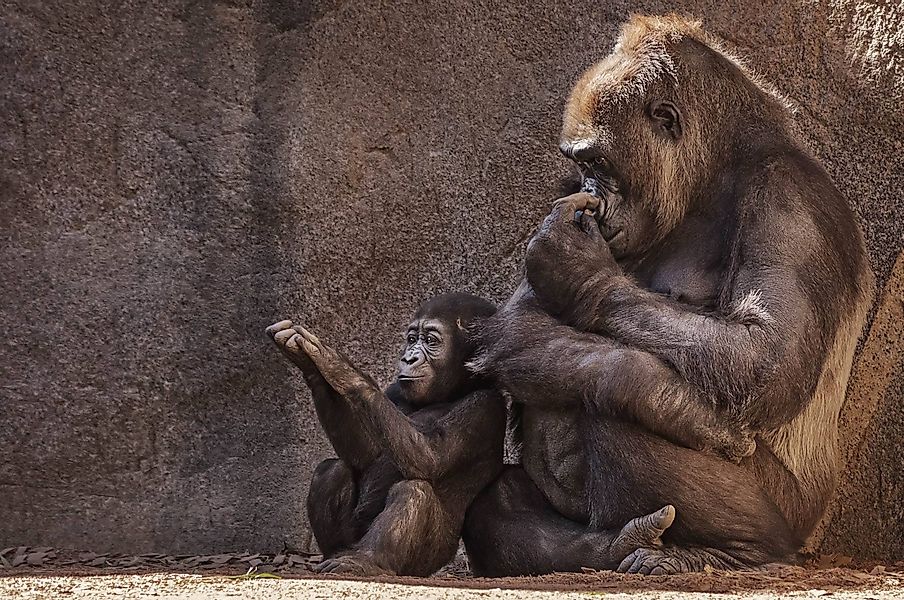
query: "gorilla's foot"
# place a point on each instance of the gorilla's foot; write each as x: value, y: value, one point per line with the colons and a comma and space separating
x: 671, y: 560
x: 351, y: 564
x: 643, y: 532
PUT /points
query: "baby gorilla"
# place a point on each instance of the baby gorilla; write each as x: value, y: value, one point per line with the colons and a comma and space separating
x: 412, y: 458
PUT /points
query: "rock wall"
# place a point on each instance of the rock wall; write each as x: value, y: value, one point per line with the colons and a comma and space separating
x: 174, y: 176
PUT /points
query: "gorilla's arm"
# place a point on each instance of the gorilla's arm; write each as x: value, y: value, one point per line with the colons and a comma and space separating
x: 766, y: 342
x: 453, y: 441
x: 751, y: 348
x: 541, y: 361
x: 353, y: 443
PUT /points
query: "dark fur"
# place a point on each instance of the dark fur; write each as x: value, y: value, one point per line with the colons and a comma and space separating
x: 394, y: 500
x: 727, y: 306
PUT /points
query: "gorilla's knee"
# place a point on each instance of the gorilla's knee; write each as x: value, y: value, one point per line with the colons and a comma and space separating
x: 329, y: 472
x: 331, y: 504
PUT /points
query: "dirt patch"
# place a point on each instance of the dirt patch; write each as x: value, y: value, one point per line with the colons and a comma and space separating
x: 191, y: 587
x: 823, y: 576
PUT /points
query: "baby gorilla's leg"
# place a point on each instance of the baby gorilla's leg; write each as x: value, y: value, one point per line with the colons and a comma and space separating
x: 331, y: 506
x: 414, y: 535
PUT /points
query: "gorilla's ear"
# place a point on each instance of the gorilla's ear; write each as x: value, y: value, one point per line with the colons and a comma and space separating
x: 665, y: 117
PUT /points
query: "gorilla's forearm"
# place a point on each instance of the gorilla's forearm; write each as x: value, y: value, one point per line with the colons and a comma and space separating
x: 399, y: 437
x: 731, y: 355
x: 637, y: 386
x: 544, y: 362
x: 351, y: 440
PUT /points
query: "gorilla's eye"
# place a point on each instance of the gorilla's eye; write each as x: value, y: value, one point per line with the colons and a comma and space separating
x: 600, y: 163
x: 411, y: 338
x: 433, y: 340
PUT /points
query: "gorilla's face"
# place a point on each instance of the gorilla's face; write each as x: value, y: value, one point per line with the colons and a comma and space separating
x: 430, y: 365
x: 627, y: 228
x: 627, y: 145
x: 627, y: 225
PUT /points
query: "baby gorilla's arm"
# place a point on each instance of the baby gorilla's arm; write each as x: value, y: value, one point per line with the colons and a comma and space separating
x: 352, y: 442
x: 416, y: 454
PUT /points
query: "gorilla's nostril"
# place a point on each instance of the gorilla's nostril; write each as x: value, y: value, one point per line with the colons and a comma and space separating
x: 591, y: 186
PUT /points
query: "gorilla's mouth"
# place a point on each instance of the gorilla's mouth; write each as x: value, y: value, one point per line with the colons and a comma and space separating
x: 410, y: 377
x: 591, y: 185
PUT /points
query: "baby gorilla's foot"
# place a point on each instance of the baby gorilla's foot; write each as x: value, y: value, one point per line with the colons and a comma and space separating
x: 668, y: 561
x: 643, y: 532
x: 351, y: 564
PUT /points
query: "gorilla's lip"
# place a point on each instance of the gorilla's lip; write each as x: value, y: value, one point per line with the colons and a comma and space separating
x: 409, y: 377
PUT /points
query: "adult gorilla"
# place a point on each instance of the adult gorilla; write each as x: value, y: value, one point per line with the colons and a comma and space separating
x: 691, y: 344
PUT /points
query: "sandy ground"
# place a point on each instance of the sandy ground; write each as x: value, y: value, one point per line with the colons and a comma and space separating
x: 32, y: 573
x: 835, y: 583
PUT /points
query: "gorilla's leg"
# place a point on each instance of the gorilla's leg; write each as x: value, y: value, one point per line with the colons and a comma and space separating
x: 725, y: 518
x: 511, y: 529
x: 414, y: 535
x: 332, y: 497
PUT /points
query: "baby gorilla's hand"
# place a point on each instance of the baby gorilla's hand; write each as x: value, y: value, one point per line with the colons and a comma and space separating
x: 336, y: 369
x: 288, y: 341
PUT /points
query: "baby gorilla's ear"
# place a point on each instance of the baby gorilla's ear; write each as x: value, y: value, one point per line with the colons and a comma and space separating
x: 458, y: 324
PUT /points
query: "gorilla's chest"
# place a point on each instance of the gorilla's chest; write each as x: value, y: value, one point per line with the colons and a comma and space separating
x: 686, y: 270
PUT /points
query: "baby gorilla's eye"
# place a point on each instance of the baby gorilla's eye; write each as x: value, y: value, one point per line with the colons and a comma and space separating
x: 411, y: 338
x: 433, y: 340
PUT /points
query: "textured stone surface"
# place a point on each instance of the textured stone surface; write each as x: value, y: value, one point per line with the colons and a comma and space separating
x: 868, y: 510
x: 174, y: 176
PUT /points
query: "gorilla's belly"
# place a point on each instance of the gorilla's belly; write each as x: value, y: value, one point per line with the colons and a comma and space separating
x: 553, y: 457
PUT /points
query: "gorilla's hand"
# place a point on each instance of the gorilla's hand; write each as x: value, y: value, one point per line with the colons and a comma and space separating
x: 284, y: 335
x: 566, y: 252
x: 334, y: 366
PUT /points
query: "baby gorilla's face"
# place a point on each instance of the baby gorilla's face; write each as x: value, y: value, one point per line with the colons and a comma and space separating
x: 430, y: 368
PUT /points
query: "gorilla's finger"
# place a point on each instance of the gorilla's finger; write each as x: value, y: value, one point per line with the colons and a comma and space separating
x: 658, y: 570
x: 628, y: 561
x: 637, y: 564
x: 591, y: 227
x: 308, y: 336
x: 565, y: 208
x: 294, y: 343
x: 324, y: 565
x: 283, y: 336
x: 273, y: 329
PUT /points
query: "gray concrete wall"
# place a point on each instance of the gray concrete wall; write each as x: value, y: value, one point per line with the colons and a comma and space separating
x: 174, y: 176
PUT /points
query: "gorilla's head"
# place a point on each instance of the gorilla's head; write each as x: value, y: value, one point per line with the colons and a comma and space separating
x: 437, y: 345
x: 650, y: 124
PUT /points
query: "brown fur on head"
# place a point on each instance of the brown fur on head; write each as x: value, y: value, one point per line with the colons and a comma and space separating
x: 666, y: 61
